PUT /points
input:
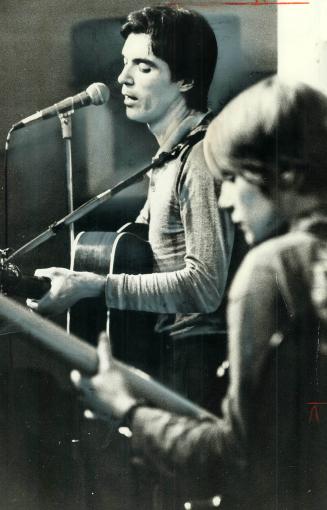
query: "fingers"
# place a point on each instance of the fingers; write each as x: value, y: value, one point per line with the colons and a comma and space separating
x: 75, y: 377
x: 42, y: 304
x: 58, y: 298
x: 83, y: 386
x: 48, y: 272
x: 32, y: 304
x: 90, y: 415
x: 104, y: 352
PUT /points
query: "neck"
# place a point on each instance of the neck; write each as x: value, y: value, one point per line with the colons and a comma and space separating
x: 273, y: 228
x: 165, y: 126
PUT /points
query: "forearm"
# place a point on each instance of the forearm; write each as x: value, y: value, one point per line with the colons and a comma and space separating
x: 196, y: 288
x: 185, y: 291
x: 197, y: 450
x: 87, y: 284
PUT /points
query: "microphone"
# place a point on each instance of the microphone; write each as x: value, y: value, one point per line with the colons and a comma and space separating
x: 96, y: 94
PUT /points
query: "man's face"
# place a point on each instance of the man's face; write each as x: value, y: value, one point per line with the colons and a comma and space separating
x: 253, y: 211
x: 146, y: 81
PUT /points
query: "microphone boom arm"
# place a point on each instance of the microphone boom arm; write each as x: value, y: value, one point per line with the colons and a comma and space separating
x: 80, y: 212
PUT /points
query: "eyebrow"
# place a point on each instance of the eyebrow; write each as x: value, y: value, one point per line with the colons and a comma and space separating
x: 146, y: 61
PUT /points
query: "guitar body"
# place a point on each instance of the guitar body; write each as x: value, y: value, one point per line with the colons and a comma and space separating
x: 131, y: 332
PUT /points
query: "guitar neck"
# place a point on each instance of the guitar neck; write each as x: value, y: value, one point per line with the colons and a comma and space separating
x: 31, y: 286
x: 80, y: 355
x: 15, y: 283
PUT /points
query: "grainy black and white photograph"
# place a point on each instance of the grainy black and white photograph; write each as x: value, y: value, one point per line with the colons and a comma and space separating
x: 163, y: 255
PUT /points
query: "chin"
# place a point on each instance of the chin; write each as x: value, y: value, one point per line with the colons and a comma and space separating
x: 249, y: 237
x: 136, y: 116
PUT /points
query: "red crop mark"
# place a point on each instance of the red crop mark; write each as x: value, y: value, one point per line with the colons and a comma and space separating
x: 314, y: 414
x: 314, y: 411
x: 258, y: 3
x: 254, y: 3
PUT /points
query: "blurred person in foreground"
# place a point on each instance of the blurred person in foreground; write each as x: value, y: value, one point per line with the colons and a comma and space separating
x: 269, y: 449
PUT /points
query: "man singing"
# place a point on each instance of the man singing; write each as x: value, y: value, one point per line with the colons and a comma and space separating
x: 169, y: 60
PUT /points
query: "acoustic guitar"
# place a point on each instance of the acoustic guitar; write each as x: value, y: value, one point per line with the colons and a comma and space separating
x: 131, y: 332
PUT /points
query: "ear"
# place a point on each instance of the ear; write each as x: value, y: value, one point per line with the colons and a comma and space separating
x: 184, y: 85
x: 291, y: 180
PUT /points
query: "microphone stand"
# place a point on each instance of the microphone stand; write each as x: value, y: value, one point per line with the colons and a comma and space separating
x: 6, y: 232
x: 86, y: 208
x: 66, y: 131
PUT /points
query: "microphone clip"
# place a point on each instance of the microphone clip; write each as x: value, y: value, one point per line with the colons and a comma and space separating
x: 66, y: 123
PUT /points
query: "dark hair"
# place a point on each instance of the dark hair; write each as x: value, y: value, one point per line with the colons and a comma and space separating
x: 185, y: 41
x: 273, y: 134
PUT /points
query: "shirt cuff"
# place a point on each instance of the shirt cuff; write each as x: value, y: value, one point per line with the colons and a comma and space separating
x: 114, y: 297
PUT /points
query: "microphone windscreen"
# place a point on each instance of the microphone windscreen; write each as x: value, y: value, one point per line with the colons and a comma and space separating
x: 99, y: 93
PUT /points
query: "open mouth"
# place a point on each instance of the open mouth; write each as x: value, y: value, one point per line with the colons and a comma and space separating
x: 129, y: 99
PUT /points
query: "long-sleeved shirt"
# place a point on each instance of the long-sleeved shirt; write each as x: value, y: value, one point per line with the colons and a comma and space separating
x: 264, y: 452
x: 191, y: 239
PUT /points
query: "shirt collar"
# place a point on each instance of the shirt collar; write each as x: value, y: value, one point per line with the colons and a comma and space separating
x: 186, y: 126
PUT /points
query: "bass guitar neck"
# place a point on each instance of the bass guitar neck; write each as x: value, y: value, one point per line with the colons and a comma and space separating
x: 78, y: 354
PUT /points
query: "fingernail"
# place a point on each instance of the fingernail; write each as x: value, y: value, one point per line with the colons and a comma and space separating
x: 88, y: 414
x: 75, y: 376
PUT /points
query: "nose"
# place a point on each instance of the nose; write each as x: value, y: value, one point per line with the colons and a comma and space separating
x: 125, y: 77
x: 226, y: 198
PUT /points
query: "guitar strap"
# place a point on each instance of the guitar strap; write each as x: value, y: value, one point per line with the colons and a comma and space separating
x: 184, y: 146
